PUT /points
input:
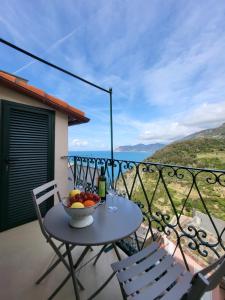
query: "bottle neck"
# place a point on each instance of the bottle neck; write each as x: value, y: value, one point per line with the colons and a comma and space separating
x: 102, y: 172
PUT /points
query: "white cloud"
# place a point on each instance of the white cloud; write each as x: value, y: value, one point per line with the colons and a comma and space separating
x: 79, y: 143
x: 191, y: 67
x: 202, y: 117
x: 166, y: 130
x: 192, y: 77
x: 56, y: 44
x: 11, y: 29
x: 206, y: 115
x: 90, y: 144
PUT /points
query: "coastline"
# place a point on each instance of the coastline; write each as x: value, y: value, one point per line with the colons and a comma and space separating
x: 137, y: 156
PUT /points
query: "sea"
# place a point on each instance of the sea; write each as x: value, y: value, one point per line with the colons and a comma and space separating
x: 133, y: 156
x: 129, y: 156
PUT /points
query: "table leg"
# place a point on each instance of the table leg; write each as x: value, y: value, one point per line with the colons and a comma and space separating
x: 99, y: 254
x: 59, y: 287
x: 102, y: 286
x: 110, y: 277
x: 117, y: 252
x: 75, y: 285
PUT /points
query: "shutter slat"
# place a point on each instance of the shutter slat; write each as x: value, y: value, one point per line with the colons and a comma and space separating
x: 28, y: 150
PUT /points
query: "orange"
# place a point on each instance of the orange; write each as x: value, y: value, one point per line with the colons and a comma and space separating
x: 89, y: 203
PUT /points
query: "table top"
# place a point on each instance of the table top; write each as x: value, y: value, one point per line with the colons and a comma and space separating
x: 108, y: 226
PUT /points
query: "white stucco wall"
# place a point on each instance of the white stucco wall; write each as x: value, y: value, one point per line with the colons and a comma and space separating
x: 61, y: 134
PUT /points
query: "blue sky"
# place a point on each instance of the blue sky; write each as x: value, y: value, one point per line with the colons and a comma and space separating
x: 165, y: 61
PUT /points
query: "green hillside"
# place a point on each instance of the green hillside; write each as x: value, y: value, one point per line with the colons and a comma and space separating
x: 198, y: 152
x: 201, y: 150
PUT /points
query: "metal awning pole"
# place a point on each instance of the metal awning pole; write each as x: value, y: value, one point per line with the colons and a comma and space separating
x: 111, y: 134
x: 48, y: 63
x: 74, y: 76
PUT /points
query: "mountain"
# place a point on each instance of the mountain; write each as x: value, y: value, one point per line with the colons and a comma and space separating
x: 198, y: 152
x: 204, y: 149
x: 217, y: 133
x: 140, y: 147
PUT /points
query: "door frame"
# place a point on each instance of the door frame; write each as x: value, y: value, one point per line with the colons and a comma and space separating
x: 5, y: 106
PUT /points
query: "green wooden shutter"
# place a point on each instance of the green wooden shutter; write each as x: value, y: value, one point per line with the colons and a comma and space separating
x: 29, y: 139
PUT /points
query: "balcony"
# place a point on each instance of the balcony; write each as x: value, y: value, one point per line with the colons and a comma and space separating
x: 184, y: 207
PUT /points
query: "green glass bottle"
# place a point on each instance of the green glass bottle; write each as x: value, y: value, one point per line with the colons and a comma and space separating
x: 102, y: 185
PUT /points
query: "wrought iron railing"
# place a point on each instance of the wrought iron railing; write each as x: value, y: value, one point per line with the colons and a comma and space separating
x: 186, y: 206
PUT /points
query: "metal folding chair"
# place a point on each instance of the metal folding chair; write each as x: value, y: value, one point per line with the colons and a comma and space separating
x: 154, y: 274
x: 40, y: 195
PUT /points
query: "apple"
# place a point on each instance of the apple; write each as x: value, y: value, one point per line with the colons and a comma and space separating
x: 74, y: 193
x: 72, y: 199
x: 96, y: 198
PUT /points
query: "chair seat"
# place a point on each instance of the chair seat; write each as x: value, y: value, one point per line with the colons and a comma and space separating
x: 152, y: 273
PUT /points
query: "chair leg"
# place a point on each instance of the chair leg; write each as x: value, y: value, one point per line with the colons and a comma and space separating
x: 122, y: 292
x: 74, y: 279
x: 52, y: 266
x: 86, y: 249
x: 61, y: 257
x: 48, y: 271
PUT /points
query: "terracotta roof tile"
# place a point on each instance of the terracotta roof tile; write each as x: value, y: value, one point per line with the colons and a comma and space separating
x: 75, y: 115
x: 8, y: 77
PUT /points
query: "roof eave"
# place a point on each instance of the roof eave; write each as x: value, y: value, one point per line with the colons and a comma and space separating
x: 74, y: 119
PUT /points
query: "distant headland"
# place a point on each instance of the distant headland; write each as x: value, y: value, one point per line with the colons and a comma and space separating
x: 140, y: 147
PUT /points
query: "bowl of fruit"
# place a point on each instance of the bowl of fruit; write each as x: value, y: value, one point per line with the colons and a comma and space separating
x: 80, y: 206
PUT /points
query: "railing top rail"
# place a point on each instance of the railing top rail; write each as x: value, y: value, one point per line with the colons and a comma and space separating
x: 149, y: 163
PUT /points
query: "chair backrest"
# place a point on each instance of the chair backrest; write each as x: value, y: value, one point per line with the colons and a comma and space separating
x: 207, y: 279
x: 41, y: 194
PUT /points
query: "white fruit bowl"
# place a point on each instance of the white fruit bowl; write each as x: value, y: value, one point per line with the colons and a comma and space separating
x: 79, y: 217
